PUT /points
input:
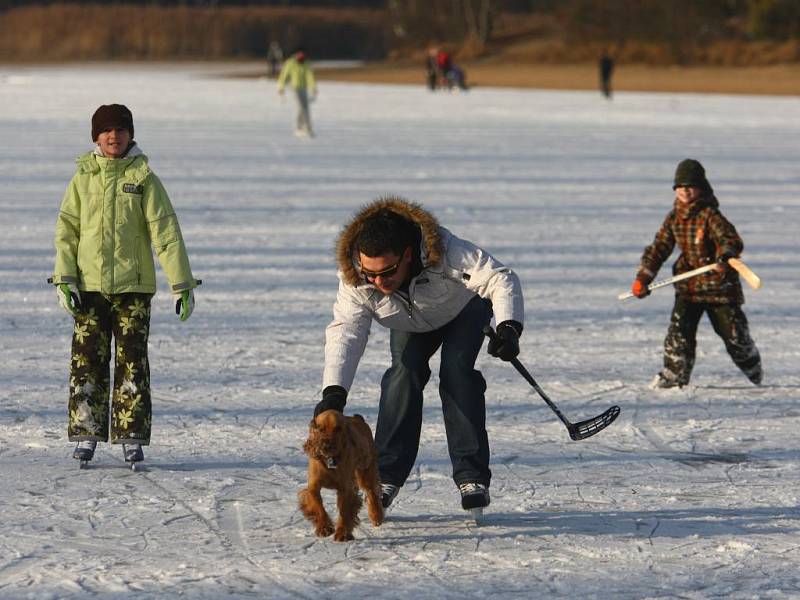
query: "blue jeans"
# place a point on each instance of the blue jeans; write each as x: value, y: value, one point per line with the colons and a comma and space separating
x: 461, y: 389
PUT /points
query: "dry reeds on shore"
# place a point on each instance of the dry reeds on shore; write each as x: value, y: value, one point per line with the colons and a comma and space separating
x: 135, y: 32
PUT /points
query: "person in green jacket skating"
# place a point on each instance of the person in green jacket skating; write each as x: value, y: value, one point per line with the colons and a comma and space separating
x: 114, y: 210
x: 300, y: 76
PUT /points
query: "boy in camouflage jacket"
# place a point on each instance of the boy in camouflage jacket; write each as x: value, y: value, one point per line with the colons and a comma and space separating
x: 114, y: 210
x: 704, y: 236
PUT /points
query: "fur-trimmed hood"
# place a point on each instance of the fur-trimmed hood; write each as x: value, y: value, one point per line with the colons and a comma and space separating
x: 346, y: 254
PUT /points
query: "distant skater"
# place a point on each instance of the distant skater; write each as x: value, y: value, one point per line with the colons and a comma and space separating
x: 704, y: 236
x: 431, y: 69
x: 606, y: 66
x: 274, y: 58
x: 300, y: 76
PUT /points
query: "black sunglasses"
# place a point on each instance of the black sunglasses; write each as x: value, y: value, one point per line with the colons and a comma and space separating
x: 387, y: 272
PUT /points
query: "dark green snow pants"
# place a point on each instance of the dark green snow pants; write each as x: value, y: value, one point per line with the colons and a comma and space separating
x: 729, y: 323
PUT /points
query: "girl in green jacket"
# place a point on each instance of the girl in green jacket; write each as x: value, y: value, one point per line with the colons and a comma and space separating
x: 114, y: 210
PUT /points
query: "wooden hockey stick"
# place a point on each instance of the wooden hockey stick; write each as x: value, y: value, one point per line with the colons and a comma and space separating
x: 753, y: 280
x: 663, y: 282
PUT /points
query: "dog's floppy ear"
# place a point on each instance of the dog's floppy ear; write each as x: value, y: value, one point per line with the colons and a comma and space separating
x: 313, y: 435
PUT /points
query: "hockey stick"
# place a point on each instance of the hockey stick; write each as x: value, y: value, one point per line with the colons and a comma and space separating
x: 753, y: 280
x: 577, y: 431
x: 669, y: 280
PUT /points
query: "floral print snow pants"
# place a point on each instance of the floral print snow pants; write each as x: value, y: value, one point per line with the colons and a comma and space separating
x: 126, y: 317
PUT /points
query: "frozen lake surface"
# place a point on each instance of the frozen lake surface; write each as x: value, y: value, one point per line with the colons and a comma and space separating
x: 692, y: 493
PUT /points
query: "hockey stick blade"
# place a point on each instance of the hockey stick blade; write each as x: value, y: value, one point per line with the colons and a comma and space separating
x: 577, y: 431
x: 587, y: 428
x: 753, y: 280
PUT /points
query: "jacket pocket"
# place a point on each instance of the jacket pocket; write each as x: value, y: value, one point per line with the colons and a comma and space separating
x: 387, y: 307
x: 126, y: 262
x: 129, y: 210
x: 433, y: 288
x: 136, y: 263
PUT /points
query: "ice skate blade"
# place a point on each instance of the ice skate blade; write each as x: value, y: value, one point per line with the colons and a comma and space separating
x: 476, y: 515
x: 84, y: 464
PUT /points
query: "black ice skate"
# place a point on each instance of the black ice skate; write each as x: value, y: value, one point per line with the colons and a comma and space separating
x: 84, y: 452
x: 388, y: 493
x: 133, y: 454
x: 755, y: 374
x: 474, y: 498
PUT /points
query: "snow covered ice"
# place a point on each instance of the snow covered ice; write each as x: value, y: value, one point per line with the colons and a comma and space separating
x: 692, y: 493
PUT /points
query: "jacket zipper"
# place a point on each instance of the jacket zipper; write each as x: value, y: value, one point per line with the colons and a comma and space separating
x: 136, y: 259
x: 406, y: 302
x: 113, y: 223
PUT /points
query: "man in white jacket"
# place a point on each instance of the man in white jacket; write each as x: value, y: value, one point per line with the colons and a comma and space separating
x: 399, y: 267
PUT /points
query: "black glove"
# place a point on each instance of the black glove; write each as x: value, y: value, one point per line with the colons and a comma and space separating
x: 333, y: 397
x: 505, y: 345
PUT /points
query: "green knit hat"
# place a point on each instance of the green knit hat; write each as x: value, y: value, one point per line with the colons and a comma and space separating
x: 691, y: 173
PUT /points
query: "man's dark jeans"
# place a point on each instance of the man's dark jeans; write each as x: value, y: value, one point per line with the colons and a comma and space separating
x: 461, y: 388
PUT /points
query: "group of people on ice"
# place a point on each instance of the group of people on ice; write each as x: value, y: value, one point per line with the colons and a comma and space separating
x: 296, y: 72
x: 397, y: 265
x: 442, y: 73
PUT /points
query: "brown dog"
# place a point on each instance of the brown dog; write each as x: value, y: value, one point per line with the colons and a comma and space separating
x: 341, y: 454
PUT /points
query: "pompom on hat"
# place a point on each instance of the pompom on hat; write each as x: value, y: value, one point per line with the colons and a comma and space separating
x: 110, y: 116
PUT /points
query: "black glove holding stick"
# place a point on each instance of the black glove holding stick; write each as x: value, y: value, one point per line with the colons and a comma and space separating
x: 722, y: 261
x: 505, y: 345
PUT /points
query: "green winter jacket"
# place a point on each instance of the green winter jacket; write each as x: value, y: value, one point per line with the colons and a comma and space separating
x: 111, y: 214
x: 299, y: 75
x: 702, y: 234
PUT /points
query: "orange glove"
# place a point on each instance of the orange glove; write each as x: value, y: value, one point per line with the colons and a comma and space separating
x: 639, y: 289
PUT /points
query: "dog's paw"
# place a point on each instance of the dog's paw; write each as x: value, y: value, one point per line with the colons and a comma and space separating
x: 342, y: 536
x: 324, y: 530
x: 377, y: 515
x: 377, y: 521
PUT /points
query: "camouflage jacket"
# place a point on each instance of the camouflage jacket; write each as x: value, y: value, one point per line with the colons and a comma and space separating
x: 702, y: 234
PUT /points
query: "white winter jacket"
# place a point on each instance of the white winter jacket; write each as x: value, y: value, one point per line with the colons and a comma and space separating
x: 454, y: 271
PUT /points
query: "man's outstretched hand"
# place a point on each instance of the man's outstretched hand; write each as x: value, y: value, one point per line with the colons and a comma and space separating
x: 334, y: 397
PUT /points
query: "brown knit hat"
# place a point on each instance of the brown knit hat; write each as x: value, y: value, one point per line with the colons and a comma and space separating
x: 109, y: 116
